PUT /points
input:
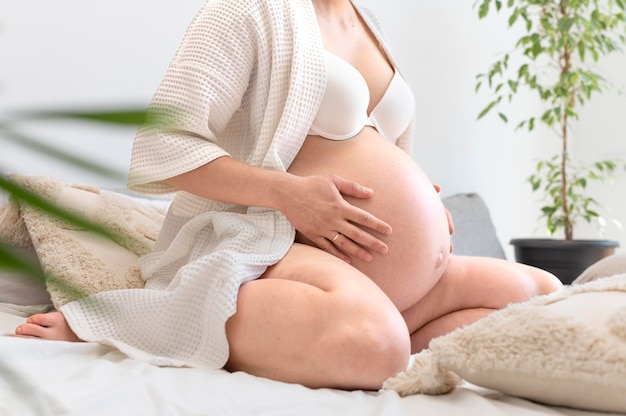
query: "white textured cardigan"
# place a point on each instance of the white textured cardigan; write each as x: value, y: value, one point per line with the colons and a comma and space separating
x: 246, y: 82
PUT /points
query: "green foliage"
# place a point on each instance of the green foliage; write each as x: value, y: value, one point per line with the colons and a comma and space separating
x: 129, y: 116
x: 9, y: 132
x: 548, y: 180
x: 560, y: 42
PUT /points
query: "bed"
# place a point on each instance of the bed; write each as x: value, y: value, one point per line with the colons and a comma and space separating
x: 517, y: 363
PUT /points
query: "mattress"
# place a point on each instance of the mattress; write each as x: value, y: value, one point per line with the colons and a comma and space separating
x: 41, y: 377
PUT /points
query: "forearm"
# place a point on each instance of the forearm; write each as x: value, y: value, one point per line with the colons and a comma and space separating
x: 229, y: 180
x: 314, y: 205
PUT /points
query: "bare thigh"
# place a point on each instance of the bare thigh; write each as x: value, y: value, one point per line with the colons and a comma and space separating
x: 315, y: 320
x: 478, y: 283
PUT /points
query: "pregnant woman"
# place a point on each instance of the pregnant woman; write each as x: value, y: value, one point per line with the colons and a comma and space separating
x: 303, y: 243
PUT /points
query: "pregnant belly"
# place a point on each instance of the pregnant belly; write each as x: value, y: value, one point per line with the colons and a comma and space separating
x: 403, y: 197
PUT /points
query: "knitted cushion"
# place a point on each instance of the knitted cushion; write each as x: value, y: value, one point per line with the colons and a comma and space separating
x: 567, y: 348
x: 608, y: 266
x: 77, y: 261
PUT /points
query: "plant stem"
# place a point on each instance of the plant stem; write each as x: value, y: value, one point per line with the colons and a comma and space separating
x: 568, y: 101
x: 564, y: 205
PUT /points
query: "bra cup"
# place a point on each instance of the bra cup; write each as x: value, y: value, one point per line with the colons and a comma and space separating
x: 392, y: 114
x: 346, y: 95
x: 343, y: 111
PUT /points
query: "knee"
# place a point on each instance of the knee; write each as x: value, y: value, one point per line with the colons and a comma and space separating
x: 376, y: 341
x: 543, y: 281
x: 533, y: 282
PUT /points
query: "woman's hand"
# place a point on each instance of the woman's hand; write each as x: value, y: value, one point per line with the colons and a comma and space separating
x: 316, y: 207
x: 448, y: 216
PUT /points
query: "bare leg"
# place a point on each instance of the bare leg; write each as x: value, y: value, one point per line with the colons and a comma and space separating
x: 50, y: 325
x: 313, y: 319
x: 447, y: 323
x: 469, y: 289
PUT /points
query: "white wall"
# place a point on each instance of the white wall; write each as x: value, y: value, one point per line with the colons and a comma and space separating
x: 76, y: 53
x: 73, y: 54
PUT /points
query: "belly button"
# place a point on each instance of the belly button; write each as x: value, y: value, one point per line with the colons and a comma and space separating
x: 440, y: 259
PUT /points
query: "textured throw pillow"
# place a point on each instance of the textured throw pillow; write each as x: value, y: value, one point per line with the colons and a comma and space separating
x: 567, y: 349
x: 608, y: 266
x: 78, y: 262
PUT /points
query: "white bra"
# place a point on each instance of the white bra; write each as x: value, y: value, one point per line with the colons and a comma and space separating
x: 343, y: 111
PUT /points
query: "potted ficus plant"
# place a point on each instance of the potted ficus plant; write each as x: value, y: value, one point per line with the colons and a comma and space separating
x: 560, y: 42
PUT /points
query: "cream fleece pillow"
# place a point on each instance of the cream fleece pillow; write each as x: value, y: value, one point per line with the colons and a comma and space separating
x: 567, y: 348
x: 608, y: 266
x: 79, y: 262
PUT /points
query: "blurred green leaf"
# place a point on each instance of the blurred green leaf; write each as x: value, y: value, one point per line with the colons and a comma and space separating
x: 24, y: 196
x: 130, y: 116
x: 24, y: 140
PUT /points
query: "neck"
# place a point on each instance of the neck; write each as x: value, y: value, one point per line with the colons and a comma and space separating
x: 334, y: 10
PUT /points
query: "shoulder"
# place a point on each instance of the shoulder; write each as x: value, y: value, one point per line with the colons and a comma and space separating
x: 249, y: 7
x: 227, y: 13
x: 374, y: 24
x: 370, y: 18
x: 229, y: 21
x: 251, y: 15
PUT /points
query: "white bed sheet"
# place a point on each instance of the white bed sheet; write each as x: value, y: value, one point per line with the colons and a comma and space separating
x: 60, y: 378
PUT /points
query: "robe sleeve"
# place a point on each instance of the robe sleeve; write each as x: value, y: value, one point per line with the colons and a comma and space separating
x: 199, y: 95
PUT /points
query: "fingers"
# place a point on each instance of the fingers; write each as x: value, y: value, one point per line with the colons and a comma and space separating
x: 450, y: 227
x: 344, y: 248
x: 329, y: 247
x: 450, y: 222
x: 355, y: 243
x: 348, y: 246
x: 353, y: 189
x: 361, y: 239
x: 359, y: 216
x: 320, y: 218
x: 354, y: 240
x: 365, y: 219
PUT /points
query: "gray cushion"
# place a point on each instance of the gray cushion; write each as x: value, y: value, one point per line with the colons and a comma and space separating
x: 22, y: 289
x: 474, y: 233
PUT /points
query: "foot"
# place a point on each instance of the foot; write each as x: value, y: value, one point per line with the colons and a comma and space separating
x: 50, y: 325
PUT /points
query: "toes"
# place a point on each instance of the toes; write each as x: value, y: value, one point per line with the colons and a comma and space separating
x: 52, y: 326
x: 38, y: 325
x: 30, y: 330
x: 44, y: 319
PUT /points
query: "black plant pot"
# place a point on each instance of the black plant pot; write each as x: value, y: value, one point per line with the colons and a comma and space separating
x: 565, y: 259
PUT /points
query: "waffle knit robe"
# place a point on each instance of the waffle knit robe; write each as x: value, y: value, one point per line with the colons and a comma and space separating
x: 246, y: 82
